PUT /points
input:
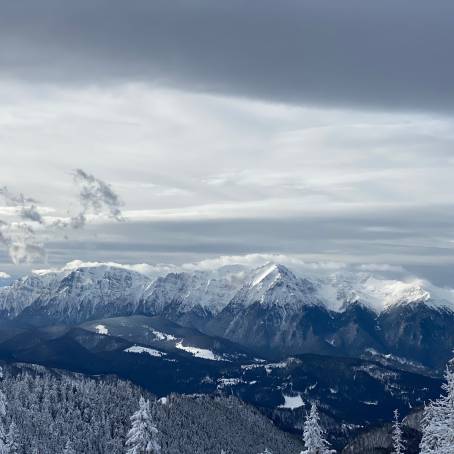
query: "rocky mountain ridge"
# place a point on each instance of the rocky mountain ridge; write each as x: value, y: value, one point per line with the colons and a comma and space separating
x: 269, y: 309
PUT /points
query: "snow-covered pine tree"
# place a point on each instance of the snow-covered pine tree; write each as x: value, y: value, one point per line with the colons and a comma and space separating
x: 12, y: 439
x: 438, y: 420
x: 313, y: 434
x: 398, y: 443
x: 3, y: 434
x: 142, y: 437
x: 69, y: 449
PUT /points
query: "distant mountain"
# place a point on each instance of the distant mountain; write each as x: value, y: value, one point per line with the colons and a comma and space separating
x: 74, y: 296
x: 191, y: 298
x: 270, y: 310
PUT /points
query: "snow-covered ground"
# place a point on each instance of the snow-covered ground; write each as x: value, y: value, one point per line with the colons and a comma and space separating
x: 199, y: 352
x: 162, y: 336
x: 292, y: 402
x: 149, y: 351
x: 101, y: 329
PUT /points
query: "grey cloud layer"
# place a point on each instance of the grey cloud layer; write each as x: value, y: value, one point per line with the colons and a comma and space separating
x: 25, y: 238
x: 95, y: 197
x: 213, y: 175
x: 388, y: 53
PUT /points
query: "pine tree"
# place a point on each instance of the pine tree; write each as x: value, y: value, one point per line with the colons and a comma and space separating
x: 69, y: 449
x: 313, y: 434
x: 141, y: 438
x: 3, y: 442
x: 438, y: 420
x: 398, y: 444
x: 12, y: 439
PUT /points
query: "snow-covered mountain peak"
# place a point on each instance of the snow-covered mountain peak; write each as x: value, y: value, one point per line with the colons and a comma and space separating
x: 105, y: 289
x: 270, y: 273
x: 340, y: 290
x: 275, y: 285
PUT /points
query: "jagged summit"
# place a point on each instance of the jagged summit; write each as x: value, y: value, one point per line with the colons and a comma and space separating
x: 275, y: 285
x: 267, y: 308
x: 78, y: 291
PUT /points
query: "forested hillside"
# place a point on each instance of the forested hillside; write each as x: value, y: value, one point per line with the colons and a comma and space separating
x: 48, y: 411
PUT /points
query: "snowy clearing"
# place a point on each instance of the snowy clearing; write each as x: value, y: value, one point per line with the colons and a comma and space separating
x: 101, y: 329
x: 162, y: 336
x: 292, y: 402
x: 199, y: 352
x: 150, y: 351
x: 223, y: 382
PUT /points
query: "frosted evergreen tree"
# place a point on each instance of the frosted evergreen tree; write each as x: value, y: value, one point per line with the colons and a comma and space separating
x: 3, y: 434
x: 438, y: 420
x: 313, y: 434
x: 12, y: 439
x: 398, y: 444
x: 69, y: 449
x: 142, y: 437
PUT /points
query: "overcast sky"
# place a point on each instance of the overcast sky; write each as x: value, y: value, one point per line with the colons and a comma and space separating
x: 317, y: 129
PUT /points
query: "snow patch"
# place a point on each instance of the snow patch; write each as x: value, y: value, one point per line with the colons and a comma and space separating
x: 223, y: 382
x: 270, y: 366
x: 264, y: 274
x: 199, y: 352
x: 149, y: 351
x: 101, y: 329
x: 162, y: 336
x: 292, y: 402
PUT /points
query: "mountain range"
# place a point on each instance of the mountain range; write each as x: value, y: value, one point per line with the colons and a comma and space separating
x: 270, y: 310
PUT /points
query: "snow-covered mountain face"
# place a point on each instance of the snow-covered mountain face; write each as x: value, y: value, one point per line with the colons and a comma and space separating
x: 210, y: 290
x: 339, y: 290
x: 269, y: 308
x: 23, y: 292
x: 275, y: 285
x: 84, y: 292
x: 74, y: 295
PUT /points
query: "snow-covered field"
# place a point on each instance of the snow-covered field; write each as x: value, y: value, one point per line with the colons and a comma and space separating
x: 292, y: 402
x: 149, y: 351
x: 199, y: 352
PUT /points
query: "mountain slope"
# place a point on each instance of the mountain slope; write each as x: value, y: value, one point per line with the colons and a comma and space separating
x: 50, y: 407
x: 352, y: 394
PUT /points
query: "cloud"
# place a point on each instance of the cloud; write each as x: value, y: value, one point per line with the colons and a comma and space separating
x: 15, y: 199
x: 22, y: 242
x: 26, y: 205
x: 96, y: 197
x: 142, y: 268
x: 381, y: 267
x: 353, y: 53
x: 330, y: 185
x: 243, y: 263
x: 25, y: 239
x: 20, y: 238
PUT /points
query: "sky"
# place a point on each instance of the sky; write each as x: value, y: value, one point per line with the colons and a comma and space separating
x: 313, y: 129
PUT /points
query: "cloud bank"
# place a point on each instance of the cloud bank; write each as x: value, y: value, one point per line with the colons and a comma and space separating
x: 25, y: 238
x: 385, y: 54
